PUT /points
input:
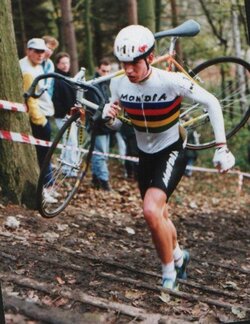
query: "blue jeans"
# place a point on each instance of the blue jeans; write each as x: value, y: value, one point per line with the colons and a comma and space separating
x: 69, y: 156
x: 99, y: 164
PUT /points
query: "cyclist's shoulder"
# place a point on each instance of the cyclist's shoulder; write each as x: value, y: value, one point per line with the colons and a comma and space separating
x: 167, y: 78
x: 177, y: 79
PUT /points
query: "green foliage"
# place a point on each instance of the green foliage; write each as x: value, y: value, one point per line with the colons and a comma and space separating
x: 107, y: 17
x: 37, y: 17
x: 146, y: 13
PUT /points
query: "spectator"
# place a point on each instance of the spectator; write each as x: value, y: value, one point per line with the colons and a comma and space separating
x: 99, y: 166
x: 64, y: 98
x: 47, y: 64
x: 39, y: 109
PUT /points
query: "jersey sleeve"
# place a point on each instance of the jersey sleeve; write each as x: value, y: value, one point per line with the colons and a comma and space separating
x: 190, y: 89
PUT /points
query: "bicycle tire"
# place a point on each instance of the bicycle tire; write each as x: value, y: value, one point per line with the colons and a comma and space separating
x: 220, y: 76
x: 67, y: 171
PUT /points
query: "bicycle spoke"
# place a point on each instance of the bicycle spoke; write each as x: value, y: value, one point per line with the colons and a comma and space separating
x: 228, y: 79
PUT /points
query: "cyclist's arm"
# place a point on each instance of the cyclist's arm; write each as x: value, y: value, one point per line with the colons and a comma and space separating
x: 198, y: 94
x: 36, y: 116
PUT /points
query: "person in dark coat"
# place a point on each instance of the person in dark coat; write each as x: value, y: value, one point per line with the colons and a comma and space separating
x: 64, y: 98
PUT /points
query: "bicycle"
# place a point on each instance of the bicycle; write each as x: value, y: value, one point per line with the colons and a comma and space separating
x: 226, y: 77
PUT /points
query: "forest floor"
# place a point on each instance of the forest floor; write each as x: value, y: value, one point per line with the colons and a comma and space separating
x: 95, y: 263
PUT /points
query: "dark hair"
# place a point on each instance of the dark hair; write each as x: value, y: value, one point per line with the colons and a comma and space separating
x: 103, y: 61
x: 61, y: 55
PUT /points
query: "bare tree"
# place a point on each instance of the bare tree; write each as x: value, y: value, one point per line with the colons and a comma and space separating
x: 216, y: 31
x: 89, y: 43
x: 157, y: 15
x: 69, y: 33
x: 175, y: 23
x: 18, y: 165
x: 132, y: 12
x: 247, y: 9
x: 146, y: 13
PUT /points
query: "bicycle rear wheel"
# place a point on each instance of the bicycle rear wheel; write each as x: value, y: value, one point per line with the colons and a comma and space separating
x: 67, y: 160
x: 228, y: 79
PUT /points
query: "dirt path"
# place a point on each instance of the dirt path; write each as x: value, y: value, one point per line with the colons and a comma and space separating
x: 96, y: 264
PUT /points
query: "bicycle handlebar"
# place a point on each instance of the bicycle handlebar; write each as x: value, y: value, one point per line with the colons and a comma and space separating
x: 82, y: 84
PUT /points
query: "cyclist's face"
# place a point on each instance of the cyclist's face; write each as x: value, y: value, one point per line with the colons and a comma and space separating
x: 136, y: 71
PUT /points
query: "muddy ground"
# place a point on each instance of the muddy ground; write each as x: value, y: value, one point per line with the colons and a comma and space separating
x: 95, y: 262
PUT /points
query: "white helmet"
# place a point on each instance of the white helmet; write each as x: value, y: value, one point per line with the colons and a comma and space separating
x: 133, y: 42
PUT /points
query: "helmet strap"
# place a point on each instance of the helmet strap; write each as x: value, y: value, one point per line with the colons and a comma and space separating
x: 145, y: 59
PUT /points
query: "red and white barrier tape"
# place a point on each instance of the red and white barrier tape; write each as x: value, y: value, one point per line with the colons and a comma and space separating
x: 14, y: 106
x: 29, y: 139
x: 22, y: 138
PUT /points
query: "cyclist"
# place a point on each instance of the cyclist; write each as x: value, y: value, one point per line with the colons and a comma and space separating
x: 151, y: 97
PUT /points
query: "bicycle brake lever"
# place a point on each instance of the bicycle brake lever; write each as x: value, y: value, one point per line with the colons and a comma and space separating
x: 31, y: 93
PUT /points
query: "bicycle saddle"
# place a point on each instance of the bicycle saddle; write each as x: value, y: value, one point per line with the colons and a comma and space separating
x: 188, y: 28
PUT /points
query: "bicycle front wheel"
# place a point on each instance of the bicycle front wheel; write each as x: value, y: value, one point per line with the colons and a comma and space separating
x: 228, y: 79
x: 64, y: 167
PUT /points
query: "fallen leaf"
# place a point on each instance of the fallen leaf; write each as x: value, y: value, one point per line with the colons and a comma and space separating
x: 238, y: 312
x: 130, y: 230
x: 165, y: 297
x: 60, y: 280
x: 61, y: 302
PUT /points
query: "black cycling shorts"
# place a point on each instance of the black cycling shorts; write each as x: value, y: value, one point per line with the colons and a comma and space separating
x: 163, y: 169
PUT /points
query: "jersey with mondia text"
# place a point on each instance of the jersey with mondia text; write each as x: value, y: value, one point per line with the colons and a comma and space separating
x: 153, y: 106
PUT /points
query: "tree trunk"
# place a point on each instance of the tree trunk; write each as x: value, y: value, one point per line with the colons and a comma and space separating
x: 236, y: 31
x: 97, y: 35
x: 146, y: 14
x: 22, y: 26
x: 89, y: 43
x: 18, y: 165
x: 175, y: 22
x: 238, y: 53
x: 247, y: 8
x: 157, y: 15
x: 132, y: 12
x: 69, y: 34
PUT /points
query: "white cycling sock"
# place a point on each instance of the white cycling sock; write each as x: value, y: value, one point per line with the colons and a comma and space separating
x: 178, y: 256
x: 168, y: 271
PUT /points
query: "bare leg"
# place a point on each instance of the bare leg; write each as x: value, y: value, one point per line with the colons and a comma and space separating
x: 162, y: 229
x: 174, y: 233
